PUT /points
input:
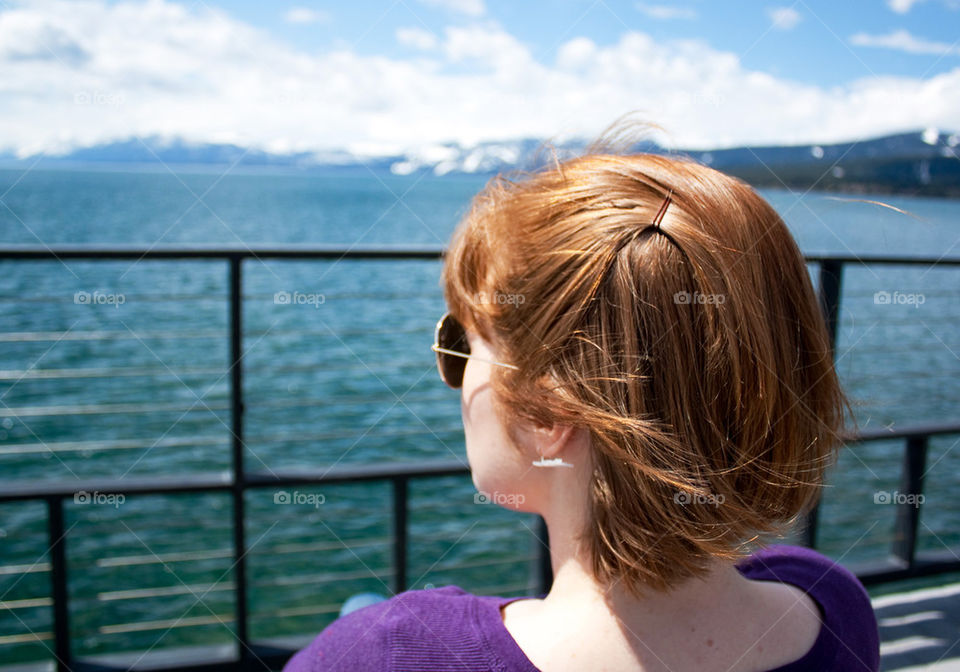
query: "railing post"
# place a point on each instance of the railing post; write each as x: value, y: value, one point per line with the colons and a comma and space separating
x: 831, y: 276
x: 58, y: 577
x: 908, y: 509
x: 828, y: 294
x: 236, y: 414
x: 399, y: 534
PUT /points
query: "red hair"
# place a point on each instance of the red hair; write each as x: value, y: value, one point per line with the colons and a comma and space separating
x: 696, y: 356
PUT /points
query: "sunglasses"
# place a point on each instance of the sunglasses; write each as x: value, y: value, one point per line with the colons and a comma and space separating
x: 453, y: 351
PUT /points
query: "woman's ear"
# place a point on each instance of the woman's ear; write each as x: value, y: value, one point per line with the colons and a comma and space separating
x: 552, y: 441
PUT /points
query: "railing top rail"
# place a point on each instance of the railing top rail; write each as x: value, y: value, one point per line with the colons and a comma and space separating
x: 908, y: 431
x: 223, y: 480
x: 347, y: 252
x: 381, y: 471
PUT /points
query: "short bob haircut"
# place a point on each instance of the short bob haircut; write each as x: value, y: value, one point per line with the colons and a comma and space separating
x: 696, y: 356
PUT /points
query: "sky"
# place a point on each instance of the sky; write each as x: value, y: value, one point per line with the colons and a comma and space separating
x: 377, y: 77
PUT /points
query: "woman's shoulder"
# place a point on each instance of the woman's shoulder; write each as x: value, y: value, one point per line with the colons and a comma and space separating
x: 849, y: 624
x: 412, y: 630
x: 806, y: 568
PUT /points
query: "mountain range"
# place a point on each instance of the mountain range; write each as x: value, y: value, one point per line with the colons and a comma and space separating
x: 922, y: 162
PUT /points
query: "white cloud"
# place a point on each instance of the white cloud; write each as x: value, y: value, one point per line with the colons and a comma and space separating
x: 86, y: 72
x: 901, y: 40
x: 666, y: 11
x: 784, y: 18
x: 902, y: 6
x: 468, y: 7
x: 305, y: 15
x: 418, y: 38
x: 580, y: 51
x: 487, y: 45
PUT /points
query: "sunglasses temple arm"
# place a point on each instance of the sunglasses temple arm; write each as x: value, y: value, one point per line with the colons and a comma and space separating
x: 437, y: 348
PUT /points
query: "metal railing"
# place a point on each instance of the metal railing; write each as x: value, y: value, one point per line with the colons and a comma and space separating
x: 905, y: 561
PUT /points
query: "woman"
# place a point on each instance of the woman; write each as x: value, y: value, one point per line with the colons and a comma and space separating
x: 642, y: 361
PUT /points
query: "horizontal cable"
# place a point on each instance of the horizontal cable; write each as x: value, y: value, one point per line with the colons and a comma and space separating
x: 293, y: 438
x: 180, y: 335
x: 217, y: 553
x: 326, y: 367
x: 164, y: 591
x: 132, y: 371
x: 36, y: 567
x: 26, y: 637
x: 289, y: 549
x: 324, y: 577
x: 162, y: 558
x: 200, y: 406
x: 900, y: 349
x: 906, y: 375
x: 28, y: 603
x: 867, y: 542
x: 331, y: 577
x: 199, y: 589
x: 111, y: 444
x: 166, y: 624
x: 344, y: 401
x: 105, y: 335
x: 166, y: 524
x: 329, y: 545
x: 292, y: 549
x: 106, y: 372
x: 300, y: 611
x: 453, y: 566
x: 493, y: 533
x: 851, y: 322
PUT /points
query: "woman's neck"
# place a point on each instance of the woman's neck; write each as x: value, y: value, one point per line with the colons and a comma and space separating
x: 575, y: 585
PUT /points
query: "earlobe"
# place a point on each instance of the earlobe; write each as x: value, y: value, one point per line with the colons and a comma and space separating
x: 555, y: 442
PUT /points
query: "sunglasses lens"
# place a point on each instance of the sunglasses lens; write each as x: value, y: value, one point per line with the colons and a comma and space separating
x: 451, y: 336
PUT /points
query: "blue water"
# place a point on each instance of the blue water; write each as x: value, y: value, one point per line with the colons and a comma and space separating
x: 346, y: 381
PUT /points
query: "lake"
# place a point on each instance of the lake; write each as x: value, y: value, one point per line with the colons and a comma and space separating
x: 119, y: 368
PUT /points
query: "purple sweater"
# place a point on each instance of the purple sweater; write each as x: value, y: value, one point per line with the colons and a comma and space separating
x: 448, y: 629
